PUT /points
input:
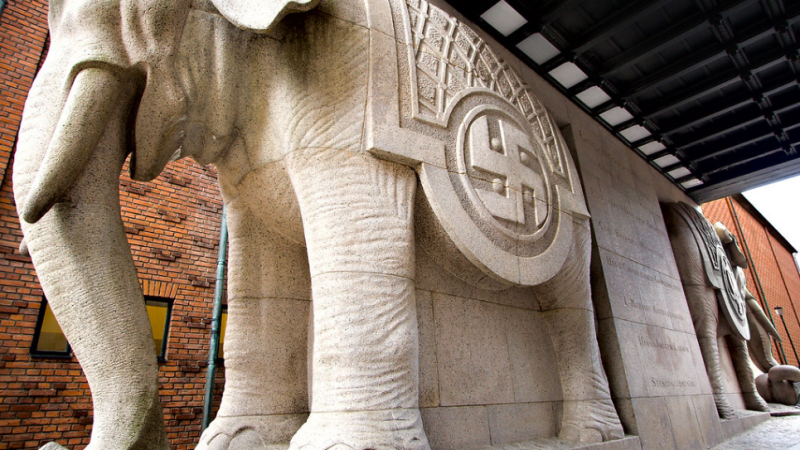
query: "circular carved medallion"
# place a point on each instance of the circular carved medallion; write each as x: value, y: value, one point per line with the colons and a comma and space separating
x: 497, y: 195
x: 732, y: 301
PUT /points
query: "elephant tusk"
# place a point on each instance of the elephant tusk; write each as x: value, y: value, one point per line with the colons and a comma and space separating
x: 762, y: 318
x: 82, y: 122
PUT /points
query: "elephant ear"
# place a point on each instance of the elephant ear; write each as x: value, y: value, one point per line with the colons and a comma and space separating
x: 260, y: 15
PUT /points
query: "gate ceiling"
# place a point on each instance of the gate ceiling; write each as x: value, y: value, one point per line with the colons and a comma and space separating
x: 704, y: 90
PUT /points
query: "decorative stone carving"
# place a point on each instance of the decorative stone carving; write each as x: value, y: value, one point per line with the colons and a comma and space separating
x: 321, y: 125
x: 452, y: 62
x: 710, y: 264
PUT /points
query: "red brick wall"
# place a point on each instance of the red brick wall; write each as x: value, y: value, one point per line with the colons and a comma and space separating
x: 23, y: 31
x: 173, y: 229
x: 776, y: 269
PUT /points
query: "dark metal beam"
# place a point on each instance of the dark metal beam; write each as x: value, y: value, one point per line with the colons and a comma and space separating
x: 746, y: 155
x: 616, y: 129
x: 726, y: 104
x: 644, y: 141
x: 788, y: 118
x: 739, y: 119
x: 557, y: 61
x: 667, y: 36
x: 668, y: 169
x: 718, y: 138
x: 741, y: 181
x: 712, y: 84
x: 685, y: 178
x: 611, y: 24
x: 705, y: 56
x: 728, y: 143
x: 552, y: 10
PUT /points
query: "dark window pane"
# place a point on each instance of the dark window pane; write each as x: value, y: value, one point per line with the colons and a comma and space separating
x: 221, y: 352
x: 51, y: 338
x: 158, y: 312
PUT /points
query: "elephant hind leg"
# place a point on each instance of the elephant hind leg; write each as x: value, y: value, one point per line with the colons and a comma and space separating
x: 357, y: 215
x: 705, y: 316
x: 589, y: 414
x: 744, y: 373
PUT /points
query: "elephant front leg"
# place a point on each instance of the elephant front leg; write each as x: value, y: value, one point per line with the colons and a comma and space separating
x: 357, y: 215
x: 589, y: 414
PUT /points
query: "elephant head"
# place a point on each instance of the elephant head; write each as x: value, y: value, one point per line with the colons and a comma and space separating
x: 120, y: 44
x: 109, y: 87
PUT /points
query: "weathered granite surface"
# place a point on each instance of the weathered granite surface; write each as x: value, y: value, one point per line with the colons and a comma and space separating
x: 646, y: 333
x: 716, y: 293
x: 356, y: 143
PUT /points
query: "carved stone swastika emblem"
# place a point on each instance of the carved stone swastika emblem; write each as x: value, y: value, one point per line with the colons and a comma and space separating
x: 504, y: 173
x: 494, y: 169
x: 733, y: 302
x: 509, y: 156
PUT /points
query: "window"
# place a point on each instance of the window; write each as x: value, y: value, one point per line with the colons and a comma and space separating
x: 224, y: 322
x: 159, y: 310
x: 49, y: 341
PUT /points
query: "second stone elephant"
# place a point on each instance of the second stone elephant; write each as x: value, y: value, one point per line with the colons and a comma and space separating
x: 711, y: 265
x: 323, y: 125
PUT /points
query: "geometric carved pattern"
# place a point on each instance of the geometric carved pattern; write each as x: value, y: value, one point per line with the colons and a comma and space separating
x: 718, y: 270
x: 451, y: 61
x: 708, y: 235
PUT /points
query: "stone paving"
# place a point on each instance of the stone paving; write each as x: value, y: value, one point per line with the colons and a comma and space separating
x: 777, y: 433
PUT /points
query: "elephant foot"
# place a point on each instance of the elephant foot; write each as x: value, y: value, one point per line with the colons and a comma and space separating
x: 754, y: 402
x: 590, y: 421
x: 724, y: 408
x: 271, y: 432
x: 394, y: 429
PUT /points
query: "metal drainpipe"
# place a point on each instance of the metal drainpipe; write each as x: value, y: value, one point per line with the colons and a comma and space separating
x: 755, y: 272
x: 216, y: 321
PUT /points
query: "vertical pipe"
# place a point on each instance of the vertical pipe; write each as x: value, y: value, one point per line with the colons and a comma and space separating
x: 216, y: 319
x: 755, y: 272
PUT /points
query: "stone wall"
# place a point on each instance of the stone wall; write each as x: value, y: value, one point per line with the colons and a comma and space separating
x: 487, y: 367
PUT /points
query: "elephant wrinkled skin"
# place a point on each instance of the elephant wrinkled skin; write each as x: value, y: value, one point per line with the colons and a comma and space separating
x: 711, y: 267
x: 320, y: 156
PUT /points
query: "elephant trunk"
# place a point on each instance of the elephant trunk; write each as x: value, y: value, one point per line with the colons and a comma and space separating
x: 81, y: 254
x: 758, y: 314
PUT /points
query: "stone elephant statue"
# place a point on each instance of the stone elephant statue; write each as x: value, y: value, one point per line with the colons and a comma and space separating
x: 322, y: 126
x: 781, y: 384
x: 762, y: 330
x: 711, y: 265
